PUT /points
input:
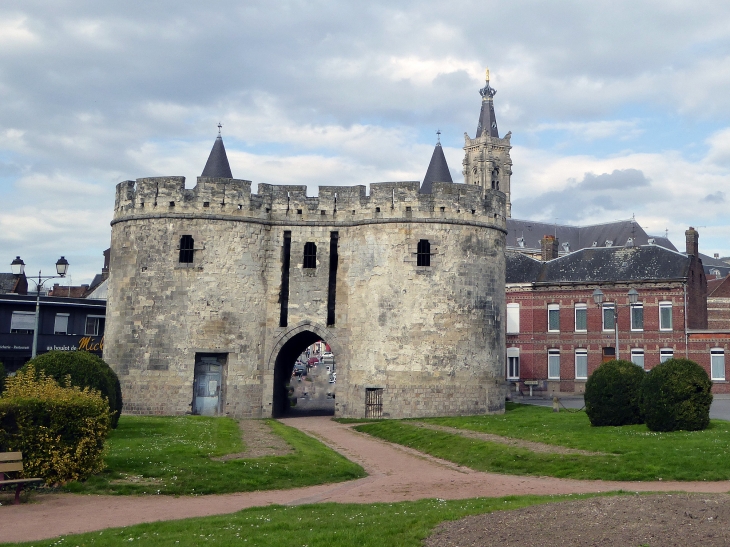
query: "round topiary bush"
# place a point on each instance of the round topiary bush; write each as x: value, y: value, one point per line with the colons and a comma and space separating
x: 86, y: 370
x: 676, y: 394
x: 612, y: 394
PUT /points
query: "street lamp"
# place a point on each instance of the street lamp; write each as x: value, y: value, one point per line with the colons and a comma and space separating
x: 17, y: 266
x: 633, y: 295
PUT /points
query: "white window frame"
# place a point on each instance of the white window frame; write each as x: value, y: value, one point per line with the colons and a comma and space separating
x: 513, y: 318
x: 513, y: 353
x: 580, y: 306
x: 86, y: 325
x: 22, y: 322
x: 662, y: 306
x: 553, y: 358
x: 583, y: 354
x: 665, y: 354
x: 638, y: 351
x: 64, y: 317
x: 637, y: 306
x: 717, y: 357
x: 554, y: 308
x: 608, y: 306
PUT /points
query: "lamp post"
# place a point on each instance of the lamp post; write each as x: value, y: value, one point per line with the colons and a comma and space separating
x: 17, y: 266
x: 633, y: 295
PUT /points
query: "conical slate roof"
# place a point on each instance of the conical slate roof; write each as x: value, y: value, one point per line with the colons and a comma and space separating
x: 487, y: 119
x: 217, y: 164
x: 438, y: 170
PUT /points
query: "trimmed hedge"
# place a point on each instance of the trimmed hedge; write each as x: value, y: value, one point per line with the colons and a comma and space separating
x: 86, y: 370
x: 676, y: 394
x: 60, y: 430
x: 613, y: 393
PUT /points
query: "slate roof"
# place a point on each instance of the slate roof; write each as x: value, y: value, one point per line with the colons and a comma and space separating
x: 7, y: 283
x: 438, y: 170
x: 710, y: 263
x: 600, y: 265
x: 217, y: 164
x: 579, y: 237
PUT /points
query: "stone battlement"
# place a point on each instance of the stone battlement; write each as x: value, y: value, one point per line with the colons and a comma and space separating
x: 163, y: 196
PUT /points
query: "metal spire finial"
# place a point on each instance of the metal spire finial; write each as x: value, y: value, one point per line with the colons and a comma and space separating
x: 220, y: 125
x: 487, y: 78
x: 438, y: 136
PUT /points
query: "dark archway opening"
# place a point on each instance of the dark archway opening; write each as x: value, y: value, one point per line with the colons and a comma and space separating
x: 298, y: 393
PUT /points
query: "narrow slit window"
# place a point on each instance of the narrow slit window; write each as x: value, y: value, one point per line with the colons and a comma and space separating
x: 423, y: 255
x: 284, y: 295
x: 332, y: 284
x: 187, y: 245
x: 310, y: 255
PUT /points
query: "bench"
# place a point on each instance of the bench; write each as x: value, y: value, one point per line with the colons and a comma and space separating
x: 13, y: 461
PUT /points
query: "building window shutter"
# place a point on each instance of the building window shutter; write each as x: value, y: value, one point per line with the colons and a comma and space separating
x: 513, y: 318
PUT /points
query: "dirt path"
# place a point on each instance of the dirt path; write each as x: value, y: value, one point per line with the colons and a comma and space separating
x: 395, y: 474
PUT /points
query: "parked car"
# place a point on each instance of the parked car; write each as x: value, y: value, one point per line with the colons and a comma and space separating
x: 313, y: 361
x: 328, y: 357
x: 300, y: 369
x: 333, y: 378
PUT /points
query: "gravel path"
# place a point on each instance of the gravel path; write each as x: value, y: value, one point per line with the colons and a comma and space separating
x: 395, y: 474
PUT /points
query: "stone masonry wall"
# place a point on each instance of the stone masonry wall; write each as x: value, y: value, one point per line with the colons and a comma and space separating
x: 431, y: 337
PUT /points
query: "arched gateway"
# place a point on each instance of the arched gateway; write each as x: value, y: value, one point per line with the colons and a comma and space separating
x: 214, y: 291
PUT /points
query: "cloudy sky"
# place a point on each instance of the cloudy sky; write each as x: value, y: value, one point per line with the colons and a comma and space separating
x: 616, y: 108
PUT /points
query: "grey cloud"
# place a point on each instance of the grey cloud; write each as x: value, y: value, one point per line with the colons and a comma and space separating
x: 717, y: 197
x: 619, y: 179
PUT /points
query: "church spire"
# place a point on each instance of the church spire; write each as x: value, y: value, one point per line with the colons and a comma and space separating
x: 438, y: 169
x: 487, y: 119
x: 217, y: 164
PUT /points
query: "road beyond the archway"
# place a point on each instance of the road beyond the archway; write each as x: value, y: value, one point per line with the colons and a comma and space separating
x: 394, y: 474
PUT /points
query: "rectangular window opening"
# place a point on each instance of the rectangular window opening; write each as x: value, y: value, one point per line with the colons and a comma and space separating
x: 513, y: 363
x: 310, y: 255
x: 284, y: 294
x: 717, y: 364
x: 22, y: 322
x: 332, y: 283
x: 554, y: 364
x: 581, y: 364
x: 666, y: 354
x: 553, y: 318
x: 637, y: 317
x: 665, y: 316
x: 94, y: 325
x: 187, y: 249
x: 513, y: 318
x: 637, y: 357
x: 60, y: 324
x: 609, y: 318
x: 423, y: 253
x: 581, y: 318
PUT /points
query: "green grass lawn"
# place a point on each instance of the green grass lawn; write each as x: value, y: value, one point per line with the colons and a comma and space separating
x: 329, y: 525
x: 632, y: 452
x: 171, y: 455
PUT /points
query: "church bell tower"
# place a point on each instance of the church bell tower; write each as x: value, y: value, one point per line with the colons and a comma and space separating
x: 486, y: 157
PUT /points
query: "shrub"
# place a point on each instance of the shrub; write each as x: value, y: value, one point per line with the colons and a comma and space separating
x: 613, y: 392
x: 60, y: 430
x: 676, y: 395
x: 3, y: 375
x: 86, y: 370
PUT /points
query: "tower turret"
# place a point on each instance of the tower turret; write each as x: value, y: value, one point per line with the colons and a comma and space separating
x: 438, y: 169
x: 486, y: 157
x: 217, y: 164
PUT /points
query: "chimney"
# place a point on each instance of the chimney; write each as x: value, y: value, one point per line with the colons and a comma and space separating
x: 693, y: 237
x: 549, y: 247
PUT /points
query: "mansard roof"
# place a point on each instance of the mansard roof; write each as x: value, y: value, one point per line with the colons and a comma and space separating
x: 526, y: 234
x: 438, y: 170
x: 601, y: 265
x: 217, y: 164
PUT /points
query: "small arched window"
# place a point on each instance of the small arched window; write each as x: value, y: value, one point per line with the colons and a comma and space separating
x: 187, y: 246
x: 310, y: 255
x: 423, y: 255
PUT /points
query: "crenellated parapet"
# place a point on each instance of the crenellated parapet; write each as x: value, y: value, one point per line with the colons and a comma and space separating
x: 159, y: 197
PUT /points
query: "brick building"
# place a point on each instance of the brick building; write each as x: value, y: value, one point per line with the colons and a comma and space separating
x: 558, y: 335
